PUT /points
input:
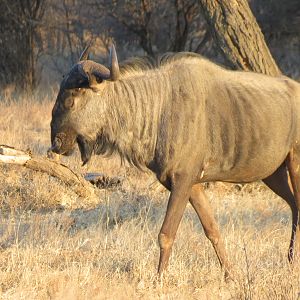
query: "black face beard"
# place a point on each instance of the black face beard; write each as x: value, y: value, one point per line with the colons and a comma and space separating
x: 86, y: 149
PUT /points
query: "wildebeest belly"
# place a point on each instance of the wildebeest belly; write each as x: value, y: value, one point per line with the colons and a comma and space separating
x: 245, y: 164
x: 254, y: 169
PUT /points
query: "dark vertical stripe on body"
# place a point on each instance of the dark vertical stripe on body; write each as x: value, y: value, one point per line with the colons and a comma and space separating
x: 225, y: 135
x: 254, y: 124
x: 143, y: 101
x: 238, y: 133
x: 175, y: 127
x: 211, y: 111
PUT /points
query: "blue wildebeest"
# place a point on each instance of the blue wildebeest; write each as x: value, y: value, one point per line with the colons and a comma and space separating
x: 189, y: 121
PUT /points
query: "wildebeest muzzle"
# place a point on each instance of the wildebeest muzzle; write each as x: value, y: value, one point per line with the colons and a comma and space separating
x: 63, y: 143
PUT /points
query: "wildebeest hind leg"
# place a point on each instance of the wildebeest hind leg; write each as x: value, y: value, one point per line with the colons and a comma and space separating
x: 293, y: 163
x: 278, y: 183
x: 204, y: 211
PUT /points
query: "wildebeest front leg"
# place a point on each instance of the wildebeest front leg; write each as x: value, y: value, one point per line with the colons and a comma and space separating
x: 180, y: 193
x: 204, y: 211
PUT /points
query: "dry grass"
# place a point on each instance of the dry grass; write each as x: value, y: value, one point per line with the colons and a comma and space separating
x: 56, y: 246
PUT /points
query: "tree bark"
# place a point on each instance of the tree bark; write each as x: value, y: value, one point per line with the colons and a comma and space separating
x: 238, y: 35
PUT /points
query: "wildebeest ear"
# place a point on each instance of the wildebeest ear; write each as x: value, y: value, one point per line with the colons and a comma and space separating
x: 85, y: 53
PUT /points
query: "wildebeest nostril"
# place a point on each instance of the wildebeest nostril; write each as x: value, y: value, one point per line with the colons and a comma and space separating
x: 56, y: 145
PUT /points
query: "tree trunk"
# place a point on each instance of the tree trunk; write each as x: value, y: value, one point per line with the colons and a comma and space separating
x: 238, y: 35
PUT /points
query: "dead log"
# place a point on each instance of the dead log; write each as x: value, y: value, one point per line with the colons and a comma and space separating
x: 76, y: 182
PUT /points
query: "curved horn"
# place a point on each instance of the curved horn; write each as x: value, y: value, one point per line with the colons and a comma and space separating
x: 114, y: 65
x: 85, y: 53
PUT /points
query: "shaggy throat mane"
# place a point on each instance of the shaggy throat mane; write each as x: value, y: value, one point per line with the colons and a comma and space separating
x: 132, y: 117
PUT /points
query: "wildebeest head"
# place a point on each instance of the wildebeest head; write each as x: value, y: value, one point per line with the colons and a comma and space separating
x: 73, y: 115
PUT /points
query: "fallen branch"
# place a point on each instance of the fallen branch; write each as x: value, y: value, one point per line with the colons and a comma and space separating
x: 76, y: 182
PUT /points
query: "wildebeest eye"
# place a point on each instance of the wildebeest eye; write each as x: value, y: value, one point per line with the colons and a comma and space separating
x: 69, y: 102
